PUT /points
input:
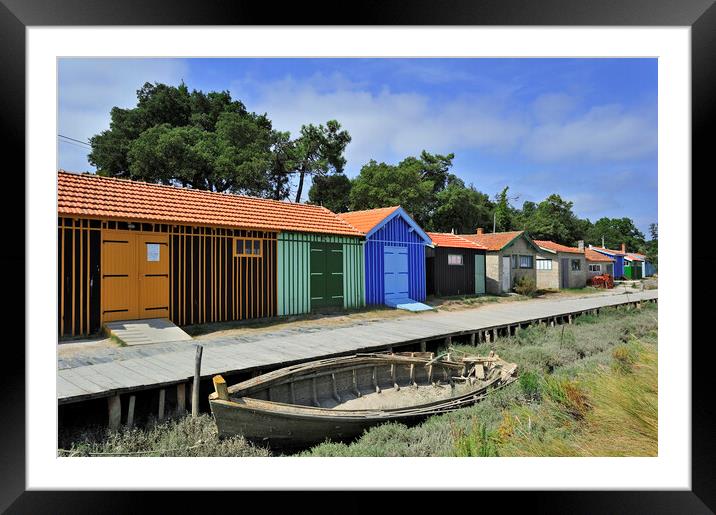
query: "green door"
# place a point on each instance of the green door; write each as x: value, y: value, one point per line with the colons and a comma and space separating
x: 479, y: 274
x: 326, y: 275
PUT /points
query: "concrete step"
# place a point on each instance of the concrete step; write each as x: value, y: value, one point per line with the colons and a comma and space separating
x: 142, y: 332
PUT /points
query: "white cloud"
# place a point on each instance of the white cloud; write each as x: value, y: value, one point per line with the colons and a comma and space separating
x: 604, y: 133
x: 89, y: 88
x: 388, y: 125
x: 553, y: 107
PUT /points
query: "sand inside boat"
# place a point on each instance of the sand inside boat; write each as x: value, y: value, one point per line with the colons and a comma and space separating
x: 407, y: 396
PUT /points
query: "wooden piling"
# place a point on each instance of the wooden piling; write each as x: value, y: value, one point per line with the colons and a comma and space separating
x: 130, y: 410
x: 114, y: 409
x: 423, y: 346
x: 472, y: 339
x: 162, y: 398
x: 448, y: 340
x: 197, y: 381
x: 181, y: 397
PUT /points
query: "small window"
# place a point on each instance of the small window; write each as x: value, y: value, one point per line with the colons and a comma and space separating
x: 544, y: 264
x: 576, y: 265
x: 454, y: 259
x: 244, y: 247
x: 514, y: 260
x: 595, y: 268
x: 526, y: 262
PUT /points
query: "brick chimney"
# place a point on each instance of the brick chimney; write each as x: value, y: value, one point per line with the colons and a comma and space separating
x: 623, y: 248
x: 480, y: 230
x: 580, y: 245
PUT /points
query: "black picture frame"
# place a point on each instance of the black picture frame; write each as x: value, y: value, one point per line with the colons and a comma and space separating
x: 700, y: 15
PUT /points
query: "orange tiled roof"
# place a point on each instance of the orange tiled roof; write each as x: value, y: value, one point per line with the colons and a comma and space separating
x: 593, y: 255
x: 365, y: 220
x: 492, y: 241
x: 103, y: 197
x: 446, y: 239
x: 633, y: 256
x: 556, y: 247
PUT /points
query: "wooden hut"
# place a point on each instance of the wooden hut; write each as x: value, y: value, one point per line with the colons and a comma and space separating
x: 559, y: 266
x: 132, y: 250
x: 509, y: 256
x: 598, y: 263
x: 394, y: 256
x: 454, y: 266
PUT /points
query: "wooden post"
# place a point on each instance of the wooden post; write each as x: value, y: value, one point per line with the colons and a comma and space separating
x: 197, y: 379
x: 130, y: 410
x: 472, y: 339
x: 551, y: 322
x: 488, y: 339
x: 222, y: 392
x: 114, y: 408
x: 448, y: 340
x: 181, y: 397
x: 494, y: 334
x: 162, y: 398
x: 569, y: 318
x: 423, y: 346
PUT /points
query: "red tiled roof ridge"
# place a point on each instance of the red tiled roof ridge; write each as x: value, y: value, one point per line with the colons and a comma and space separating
x: 558, y: 247
x: 455, y: 240
x: 368, y: 210
x: 93, y: 195
x: 183, y: 188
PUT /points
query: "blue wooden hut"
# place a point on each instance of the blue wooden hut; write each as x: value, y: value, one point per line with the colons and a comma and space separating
x: 394, y: 256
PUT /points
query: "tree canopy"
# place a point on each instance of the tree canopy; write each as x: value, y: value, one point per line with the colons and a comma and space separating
x: 210, y: 141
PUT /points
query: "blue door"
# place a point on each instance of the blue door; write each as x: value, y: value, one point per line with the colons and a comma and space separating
x: 396, y: 272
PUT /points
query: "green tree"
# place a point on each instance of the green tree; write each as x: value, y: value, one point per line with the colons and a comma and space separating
x: 616, y: 231
x: 383, y: 185
x: 652, y: 246
x: 318, y: 151
x: 331, y: 191
x: 461, y: 208
x: 504, y: 213
x: 554, y: 220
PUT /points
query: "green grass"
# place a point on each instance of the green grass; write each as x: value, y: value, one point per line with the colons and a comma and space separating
x: 587, y: 389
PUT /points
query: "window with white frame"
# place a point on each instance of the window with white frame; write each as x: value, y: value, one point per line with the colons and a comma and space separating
x: 455, y: 259
x: 526, y: 262
x: 544, y: 264
x: 595, y: 268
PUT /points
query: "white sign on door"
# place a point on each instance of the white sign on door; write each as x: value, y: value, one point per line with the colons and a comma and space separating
x: 153, y: 251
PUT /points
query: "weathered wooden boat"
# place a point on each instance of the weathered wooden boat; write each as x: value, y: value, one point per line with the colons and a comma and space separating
x: 338, y: 398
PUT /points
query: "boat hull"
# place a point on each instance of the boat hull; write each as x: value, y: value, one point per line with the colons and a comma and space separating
x: 338, y: 399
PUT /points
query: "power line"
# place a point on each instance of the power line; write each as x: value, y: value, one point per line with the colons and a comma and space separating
x: 76, y: 140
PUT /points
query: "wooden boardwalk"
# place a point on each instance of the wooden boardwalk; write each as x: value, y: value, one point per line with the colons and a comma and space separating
x: 142, y: 370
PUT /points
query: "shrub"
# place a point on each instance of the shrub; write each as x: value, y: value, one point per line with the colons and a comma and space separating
x: 525, y: 286
x: 530, y: 385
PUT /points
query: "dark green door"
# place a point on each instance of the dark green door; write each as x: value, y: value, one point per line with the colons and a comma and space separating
x: 326, y: 274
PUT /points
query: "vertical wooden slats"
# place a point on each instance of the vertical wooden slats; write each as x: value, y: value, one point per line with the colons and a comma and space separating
x: 221, y: 286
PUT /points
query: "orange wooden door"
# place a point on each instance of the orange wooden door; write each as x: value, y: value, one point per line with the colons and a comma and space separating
x: 119, y: 276
x: 153, y: 260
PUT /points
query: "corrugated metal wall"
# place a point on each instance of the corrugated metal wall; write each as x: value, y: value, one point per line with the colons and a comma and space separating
x: 294, y: 271
x: 395, y: 232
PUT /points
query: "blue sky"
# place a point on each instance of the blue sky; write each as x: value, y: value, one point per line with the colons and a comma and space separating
x: 583, y: 128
